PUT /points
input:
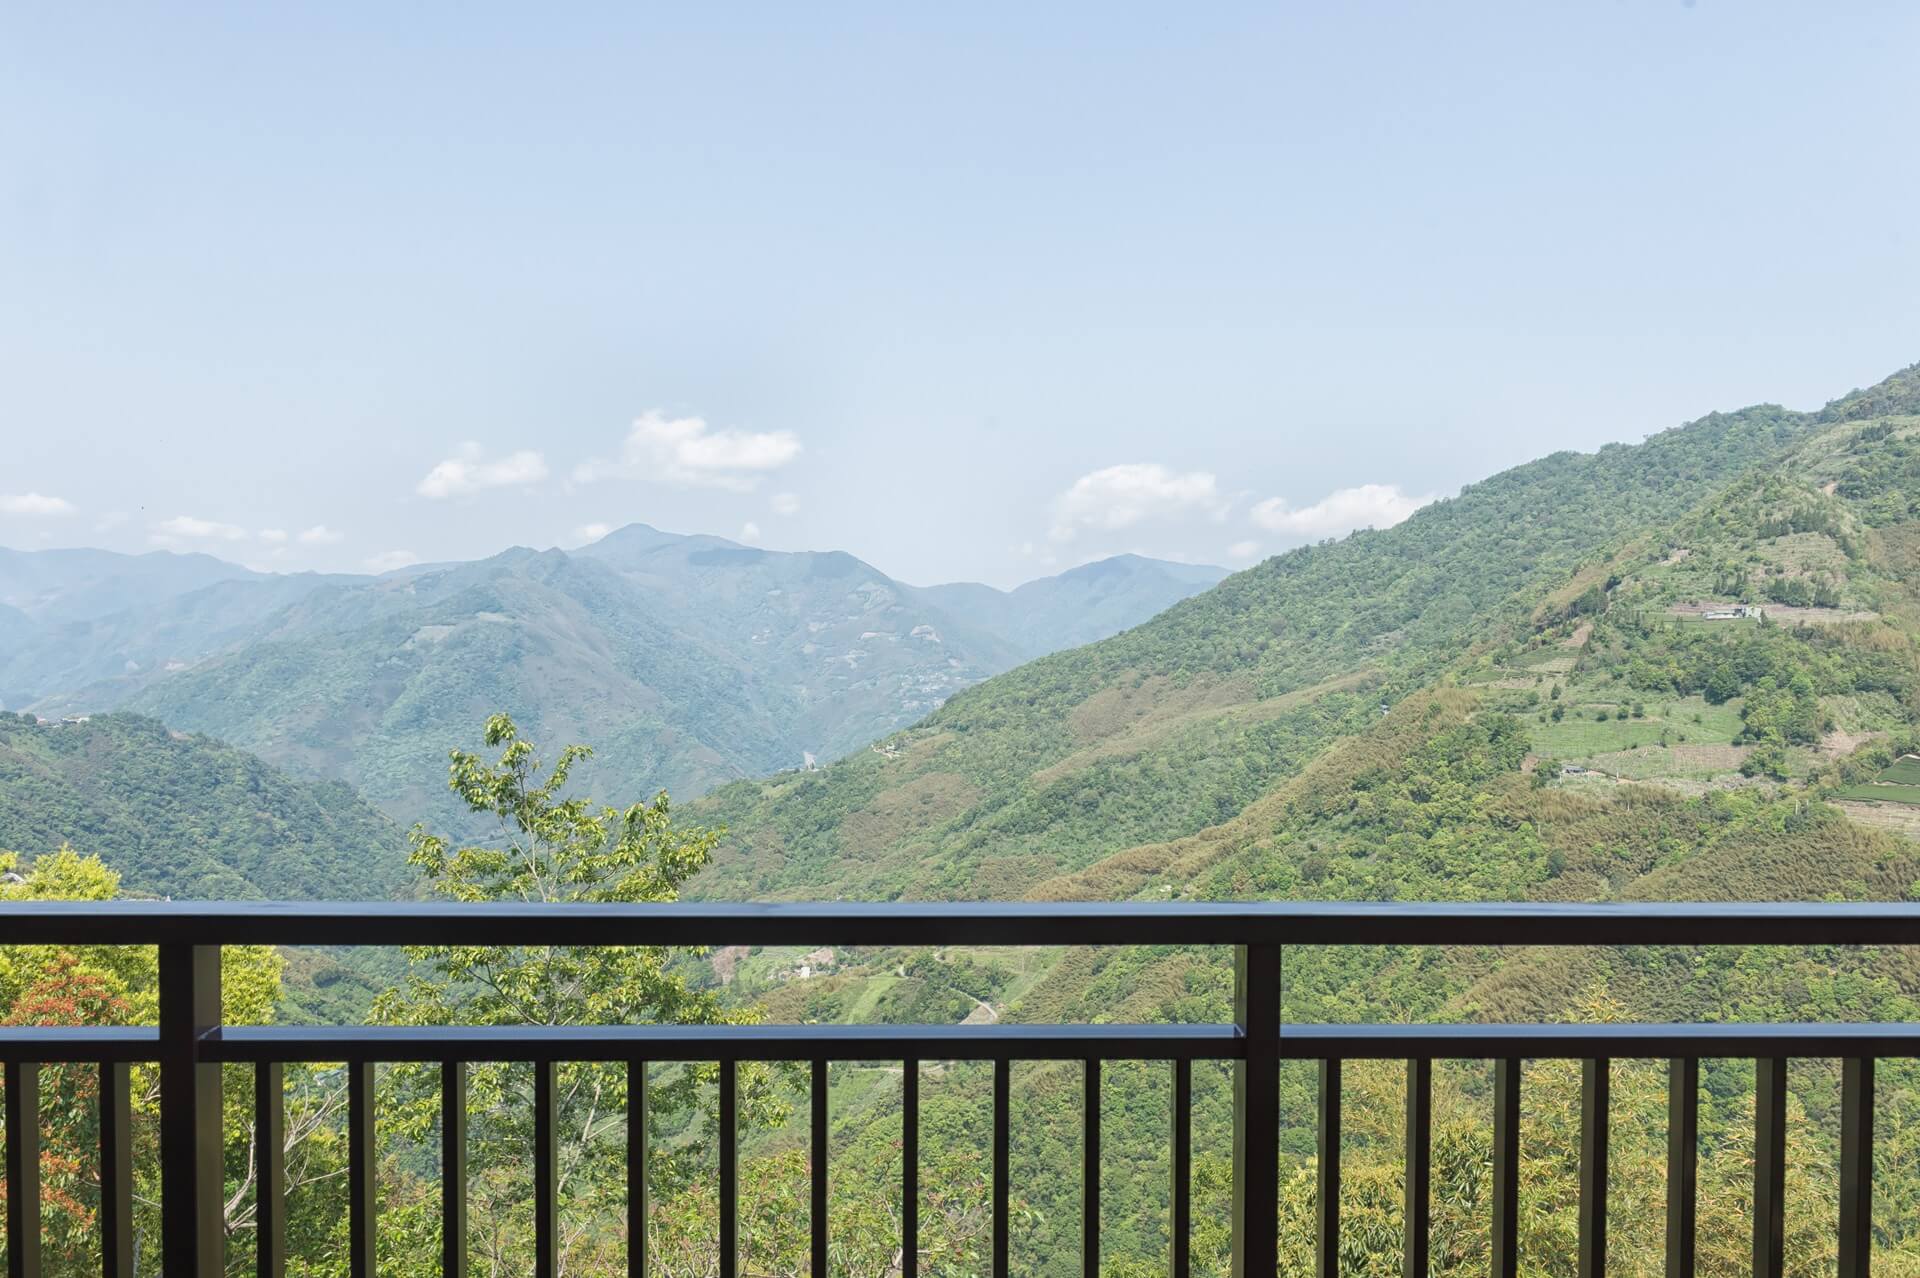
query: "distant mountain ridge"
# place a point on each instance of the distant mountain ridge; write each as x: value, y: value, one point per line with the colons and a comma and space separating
x: 1080, y: 605
x: 53, y: 586
x: 686, y: 660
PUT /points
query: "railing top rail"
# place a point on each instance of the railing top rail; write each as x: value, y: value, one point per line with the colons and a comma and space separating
x: 943, y: 923
x: 1025, y: 1042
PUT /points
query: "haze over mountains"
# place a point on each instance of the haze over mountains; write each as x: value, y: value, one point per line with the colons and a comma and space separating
x: 686, y: 661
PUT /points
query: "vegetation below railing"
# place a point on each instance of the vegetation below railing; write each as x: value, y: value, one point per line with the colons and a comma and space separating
x: 566, y: 851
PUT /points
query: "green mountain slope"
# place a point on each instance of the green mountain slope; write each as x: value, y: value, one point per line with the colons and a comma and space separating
x: 1655, y: 724
x: 185, y: 816
x: 1679, y: 715
x: 687, y: 661
x: 1180, y: 723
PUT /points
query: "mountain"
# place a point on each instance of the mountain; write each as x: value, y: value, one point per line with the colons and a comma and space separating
x: 99, y: 660
x: 109, y: 623
x: 1181, y: 722
x: 74, y: 585
x: 712, y: 576
x: 1079, y: 606
x: 185, y: 816
x: 1683, y: 670
x: 686, y: 661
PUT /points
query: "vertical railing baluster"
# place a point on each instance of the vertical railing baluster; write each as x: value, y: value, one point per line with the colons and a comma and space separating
x: 818, y: 1187
x: 909, y: 1168
x: 1002, y: 1160
x: 729, y: 1169
x: 1256, y: 1112
x: 453, y: 1169
x: 270, y: 1161
x: 1596, y: 1079
x: 362, y: 1152
x: 546, y: 1172
x: 1769, y: 1166
x: 116, y: 1170
x: 1856, y: 1166
x: 1326, y: 1232
x: 637, y: 1140
x: 1683, y: 1163
x: 1419, y: 1201
x: 1180, y: 1223
x: 1506, y: 1168
x: 1090, y: 1173
x: 192, y: 1146
x: 23, y: 1169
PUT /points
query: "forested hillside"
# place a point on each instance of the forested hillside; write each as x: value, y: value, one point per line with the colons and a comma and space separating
x: 1712, y: 698
x: 184, y: 816
x: 1178, y: 724
x: 690, y: 660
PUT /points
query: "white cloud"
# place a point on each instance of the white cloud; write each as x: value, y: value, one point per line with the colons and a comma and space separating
x: 111, y: 520
x: 688, y: 452
x: 320, y: 535
x: 586, y: 533
x: 749, y: 533
x: 1243, y: 550
x: 188, y: 528
x: 469, y: 472
x: 34, y: 504
x: 1340, y: 511
x: 785, y: 504
x: 388, y: 560
x: 275, y: 535
x: 1121, y: 496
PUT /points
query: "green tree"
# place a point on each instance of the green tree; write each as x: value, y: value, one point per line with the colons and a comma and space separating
x: 553, y: 848
x: 114, y: 985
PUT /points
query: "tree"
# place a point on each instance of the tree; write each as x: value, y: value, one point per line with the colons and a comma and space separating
x: 112, y: 985
x: 554, y: 849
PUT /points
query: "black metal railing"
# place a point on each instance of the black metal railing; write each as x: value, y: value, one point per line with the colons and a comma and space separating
x: 190, y: 1046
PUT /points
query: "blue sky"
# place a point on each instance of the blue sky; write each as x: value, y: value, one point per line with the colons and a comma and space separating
x: 971, y: 291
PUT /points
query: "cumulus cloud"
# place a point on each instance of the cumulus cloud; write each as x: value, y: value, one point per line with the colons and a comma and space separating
x: 388, y: 560
x: 785, y: 504
x: 1340, y: 511
x: 688, y: 452
x: 189, y: 528
x: 470, y: 472
x: 34, y: 504
x: 1243, y: 550
x: 749, y: 533
x: 273, y: 535
x: 1121, y: 496
x: 321, y: 535
x: 586, y: 533
x: 111, y: 520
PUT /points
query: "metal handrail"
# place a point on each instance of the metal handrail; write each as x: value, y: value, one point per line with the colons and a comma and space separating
x: 191, y: 1045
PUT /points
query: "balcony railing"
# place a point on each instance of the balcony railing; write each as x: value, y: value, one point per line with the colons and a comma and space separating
x: 190, y: 1046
